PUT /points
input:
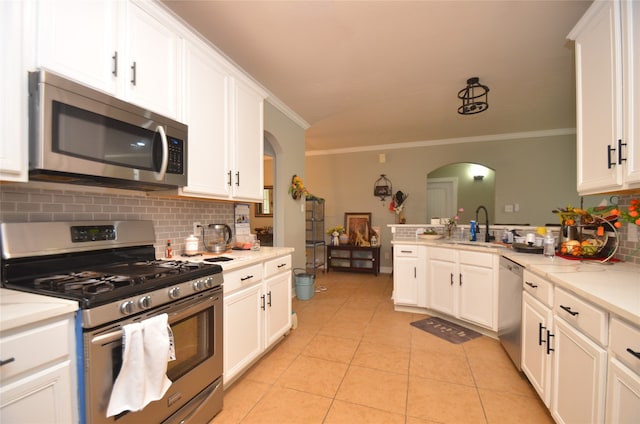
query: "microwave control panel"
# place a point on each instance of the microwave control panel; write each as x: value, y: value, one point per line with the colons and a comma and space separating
x: 175, y: 164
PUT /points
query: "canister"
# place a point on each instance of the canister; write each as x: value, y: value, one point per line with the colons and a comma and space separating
x: 191, y: 245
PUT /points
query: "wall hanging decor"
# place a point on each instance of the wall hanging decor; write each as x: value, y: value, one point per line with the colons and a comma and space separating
x: 382, y: 188
x: 297, y: 190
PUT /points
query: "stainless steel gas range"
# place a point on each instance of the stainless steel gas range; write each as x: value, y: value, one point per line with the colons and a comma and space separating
x: 110, y: 269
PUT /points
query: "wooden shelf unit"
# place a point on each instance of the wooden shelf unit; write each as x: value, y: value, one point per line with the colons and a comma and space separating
x: 347, y: 257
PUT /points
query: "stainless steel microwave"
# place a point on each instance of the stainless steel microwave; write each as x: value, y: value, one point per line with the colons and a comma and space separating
x: 82, y: 136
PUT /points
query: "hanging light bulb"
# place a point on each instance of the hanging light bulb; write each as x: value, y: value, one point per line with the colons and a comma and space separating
x: 474, y: 97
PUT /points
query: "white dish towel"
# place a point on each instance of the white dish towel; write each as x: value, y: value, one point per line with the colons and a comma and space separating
x: 143, y: 375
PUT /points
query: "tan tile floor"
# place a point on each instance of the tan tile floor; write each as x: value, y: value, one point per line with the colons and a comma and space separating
x: 353, y: 360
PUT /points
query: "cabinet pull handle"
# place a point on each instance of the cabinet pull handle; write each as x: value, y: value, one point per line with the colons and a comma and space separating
x: 269, y: 297
x: 540, y: 328
x: 549, y: 349
x: 568, y: 309
x: 460, y: 278
x: 133, y: 73
x: 238, y: 178
x: 533, y: 286
x: 10, y: 360
x: 620, y: 158
x: 281, y: 265
x: 246, y: 278
x: 415, y: 274
x: 115, y: 63
x: 229, y: 180
x: 452, y: 278
x: 609, y: 150
x: 263, y: 306
x: 631, y: 351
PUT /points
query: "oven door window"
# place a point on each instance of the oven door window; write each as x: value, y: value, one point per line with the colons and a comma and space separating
x: 193, y: 341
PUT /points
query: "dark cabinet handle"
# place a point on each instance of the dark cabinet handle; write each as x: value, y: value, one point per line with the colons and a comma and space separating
x: 238, y: 178
x: 549, y: 349
x: 246, y: 278
x: 269, y: 297
x: 415, y: 272
x: 620, y: 158
x: 609, y: 150
x: 281, y: 265
x: 229, y: 175
x: 133, y: 73
x: 460, y: 278
x: 540, y: 328
x: 263, y: 306
x: 533, y: 286
x: 631, y: 351
x: 10, y: 360
x: 568, y: 309
x: 115, y: 63
x: 452, y: 278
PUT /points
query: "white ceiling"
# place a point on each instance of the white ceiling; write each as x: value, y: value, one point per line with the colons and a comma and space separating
x: 365, y: 73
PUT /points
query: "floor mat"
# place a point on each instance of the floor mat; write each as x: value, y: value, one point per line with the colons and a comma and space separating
x: 446, y: 330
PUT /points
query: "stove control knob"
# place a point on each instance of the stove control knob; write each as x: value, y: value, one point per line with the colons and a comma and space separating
x: 209, y: 282
x: 144, y: 302
x: 198, y: 285
x: 174, y: 292
x: 128, y: 307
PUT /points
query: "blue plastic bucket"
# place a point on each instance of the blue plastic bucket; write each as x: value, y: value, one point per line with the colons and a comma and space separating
x: 305, y: 284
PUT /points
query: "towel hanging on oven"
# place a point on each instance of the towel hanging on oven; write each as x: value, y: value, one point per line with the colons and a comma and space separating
x: 146, y: 349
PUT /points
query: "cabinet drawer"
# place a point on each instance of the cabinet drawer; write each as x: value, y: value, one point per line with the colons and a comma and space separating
x: 405, y: 251
x: 476, y: 258
x: 442, y: 254
x: 539, y: 288
x: 275, y: 266
x: 35, y: 347
x: 244, y: 277
x: 583, y: 315
x: 623, y: 336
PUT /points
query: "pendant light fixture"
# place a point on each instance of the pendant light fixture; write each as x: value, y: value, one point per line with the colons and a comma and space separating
x: 474, y: 97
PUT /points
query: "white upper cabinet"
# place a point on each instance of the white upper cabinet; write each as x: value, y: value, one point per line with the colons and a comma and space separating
x: 122, y: 48
x: 607, y: 101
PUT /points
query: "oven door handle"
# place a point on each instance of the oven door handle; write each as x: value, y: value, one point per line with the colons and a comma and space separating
x: 190, y: 309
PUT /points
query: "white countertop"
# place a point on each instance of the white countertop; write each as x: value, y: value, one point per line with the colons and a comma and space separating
x: 614, y: 287
x: 241, y: 258
x: 18, y: 308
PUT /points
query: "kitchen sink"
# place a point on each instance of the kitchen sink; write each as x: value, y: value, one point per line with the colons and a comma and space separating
x: 477, y: 244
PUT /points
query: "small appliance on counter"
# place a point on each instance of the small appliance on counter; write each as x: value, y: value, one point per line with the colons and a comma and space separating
x: 217, y: 237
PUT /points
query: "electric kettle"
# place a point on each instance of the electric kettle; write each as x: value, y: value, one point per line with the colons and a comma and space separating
x: 218, y: 238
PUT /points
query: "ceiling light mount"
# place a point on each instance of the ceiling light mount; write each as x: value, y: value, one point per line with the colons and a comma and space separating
x: 474, y: 97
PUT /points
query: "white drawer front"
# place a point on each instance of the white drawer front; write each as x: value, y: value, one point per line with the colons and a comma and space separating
x: 405, y: 251
x: 624, y: 343
x: 476, y: 258
x: 34, y: 347
x: 590, y: 319
x: 243, y: 277
x: 538, y: 287
x: 278, y: 265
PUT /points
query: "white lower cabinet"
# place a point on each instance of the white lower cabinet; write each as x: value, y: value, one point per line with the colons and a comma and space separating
x: 409, y: 286
x: 579, y: 376
x: 623, y: 377
x: 256, y: 314
x: 37, y: 373
x: 537, y: 353
x: 463, y: 284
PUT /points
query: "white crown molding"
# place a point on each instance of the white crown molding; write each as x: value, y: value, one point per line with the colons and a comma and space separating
x: 428, y: 143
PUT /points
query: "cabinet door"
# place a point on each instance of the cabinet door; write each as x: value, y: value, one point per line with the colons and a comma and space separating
x: 623, y: 394
x: 579, y: 370
x: 243, y: 330
x: 13, y: 80
x: 476, y: 294
x: 150, y: 71
x: 443, y: 286
x: 41, y: 397
x: 405, y: 281
x: 79, y: 39
x: 204, y: 112
x: 278, y: 306
x: 598, y: 98
x: 248, y: 175
x: 631, y: 74
x: 536, y: 362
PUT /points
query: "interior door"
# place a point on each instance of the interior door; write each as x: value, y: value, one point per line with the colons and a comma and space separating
x: 442, y: 197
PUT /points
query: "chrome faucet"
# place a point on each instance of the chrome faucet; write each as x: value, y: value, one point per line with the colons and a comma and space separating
x: 487, y: 239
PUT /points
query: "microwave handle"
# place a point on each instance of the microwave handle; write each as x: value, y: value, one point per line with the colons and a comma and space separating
x: 165, y: 154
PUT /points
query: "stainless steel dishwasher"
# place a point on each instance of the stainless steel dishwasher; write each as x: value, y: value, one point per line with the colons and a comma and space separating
x: 510, y: 308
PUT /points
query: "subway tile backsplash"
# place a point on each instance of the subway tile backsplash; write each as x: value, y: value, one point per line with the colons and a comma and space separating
x: 173, y: 218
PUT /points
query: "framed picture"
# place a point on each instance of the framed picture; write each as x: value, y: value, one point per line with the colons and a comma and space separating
x: 358, y: 227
